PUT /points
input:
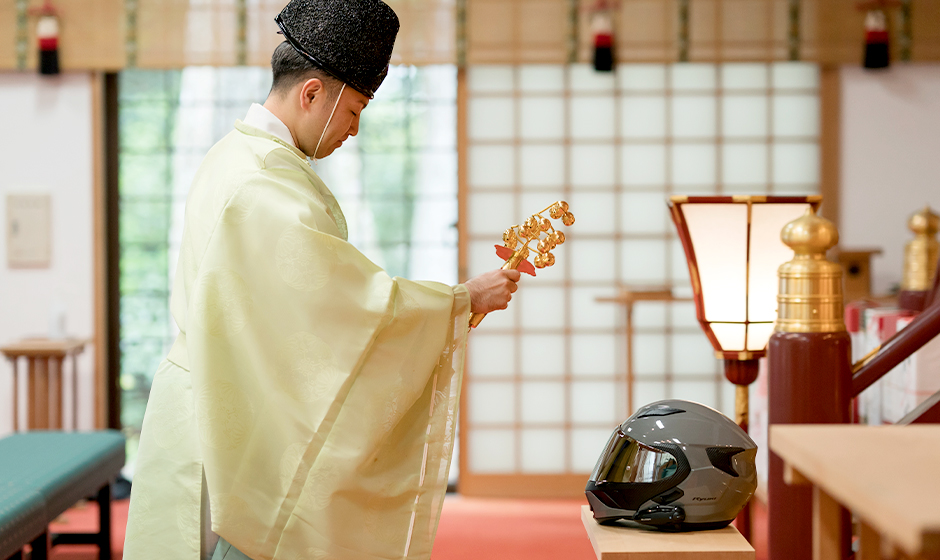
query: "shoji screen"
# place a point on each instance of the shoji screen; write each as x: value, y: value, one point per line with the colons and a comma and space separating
x: 547, y: 378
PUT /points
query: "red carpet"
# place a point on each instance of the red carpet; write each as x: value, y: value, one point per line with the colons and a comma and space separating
x: 470, y: 529
x: 478, y: 528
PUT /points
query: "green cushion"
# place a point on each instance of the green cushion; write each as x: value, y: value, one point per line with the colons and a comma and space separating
x: 43, y: 473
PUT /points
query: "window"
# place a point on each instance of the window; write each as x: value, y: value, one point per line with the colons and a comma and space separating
x: 548, y: 377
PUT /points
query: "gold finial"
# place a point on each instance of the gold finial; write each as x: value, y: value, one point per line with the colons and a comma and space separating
x: 810, y: 235
x: 920, y: 254
x: 810, y: 290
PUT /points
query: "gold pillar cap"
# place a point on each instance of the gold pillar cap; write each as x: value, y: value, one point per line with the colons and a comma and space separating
x: 809, y: 298
x: 924, y: 222
x: 810, y: 234
x: 921, y: 253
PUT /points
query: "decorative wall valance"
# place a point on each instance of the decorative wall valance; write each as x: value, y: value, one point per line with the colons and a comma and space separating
x: 113, y: 34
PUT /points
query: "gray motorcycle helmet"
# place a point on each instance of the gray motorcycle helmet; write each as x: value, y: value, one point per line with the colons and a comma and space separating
x: 675, y: 465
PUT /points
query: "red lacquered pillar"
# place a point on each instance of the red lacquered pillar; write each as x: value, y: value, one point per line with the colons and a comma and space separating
x: 809, y: 381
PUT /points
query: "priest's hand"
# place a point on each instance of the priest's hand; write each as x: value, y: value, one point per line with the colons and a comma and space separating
x: 492, y: 290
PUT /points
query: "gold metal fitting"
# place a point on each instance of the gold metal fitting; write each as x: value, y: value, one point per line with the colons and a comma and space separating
x: 921, y: 253
x: 809, y: 298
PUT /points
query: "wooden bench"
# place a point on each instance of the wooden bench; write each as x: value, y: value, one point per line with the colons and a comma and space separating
x: 615, y: 542
x: 42, y: 474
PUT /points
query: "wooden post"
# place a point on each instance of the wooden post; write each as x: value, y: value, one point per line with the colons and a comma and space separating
x: 16, y: 395
x: 809, y: 366
x: 54, y: 363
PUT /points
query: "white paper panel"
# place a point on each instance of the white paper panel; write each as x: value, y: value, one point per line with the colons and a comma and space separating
x: 583, y: 78
x: 794, y: 75
x: 492, y: 403
x: 587, y: 446
x: 767, y: 254
x: 492, y: 451
x: 692, y: 76
x: 642, y: 116
x: 543, y: 401
x: 682, y: 314
x: 693, y: 116
x: 542, y: 118
x: 542, y: 166
x: 490, y: 213
x: 542, y: 354
x: 592, y: 165
x: 644, y: 213
x: 541, y: 78
x: 541, y: 306
x: 590, y: 259
x: 745, y: 165
x: 643, y: 262
x: 597, y: 210
x: 693, y: 165
x: 592, y: 117
x: 649, y: 314
x: 647, y: 392
x: 593, y: 354
x: 744, y: 116
x: 703, y: 392
x: 643, y: 165
x: 641, y: 77
x: 796, y: 115
x: 543, y: 451
x: 587, y: 312
x: 794, y: 190
x: 491, y: 118
x: 692, y: 354
x: 719, y: 240
x: 592, y: 402
x: 738, y: 76
x: 489, y: 78
x: 758, y: 335
x: 491, y: 166
x: 796, y: 163
x: 730, y: 336
x: 491, y: 355
x: 649, y: 354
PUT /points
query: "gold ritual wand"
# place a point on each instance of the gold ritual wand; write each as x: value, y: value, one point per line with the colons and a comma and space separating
x: 531, y: 231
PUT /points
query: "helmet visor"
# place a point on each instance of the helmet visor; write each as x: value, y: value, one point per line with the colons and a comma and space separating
x: 627, y: 460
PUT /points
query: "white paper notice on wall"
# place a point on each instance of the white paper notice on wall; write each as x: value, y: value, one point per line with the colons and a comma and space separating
x: 29, y: 235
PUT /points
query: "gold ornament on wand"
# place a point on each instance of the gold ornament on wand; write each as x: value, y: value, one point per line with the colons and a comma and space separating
x: 535, y: 229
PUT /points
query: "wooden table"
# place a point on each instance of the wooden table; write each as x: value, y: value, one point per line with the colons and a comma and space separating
x: 888, y: 476
x: 44, y: 379
x: 628, y: 297
x: 629, y: 543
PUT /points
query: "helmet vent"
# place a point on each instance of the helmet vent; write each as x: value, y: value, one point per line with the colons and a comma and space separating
x: 721, y: 457
x: 660, y: 411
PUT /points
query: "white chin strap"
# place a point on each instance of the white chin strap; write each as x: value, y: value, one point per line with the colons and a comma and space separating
x: 322, y: 134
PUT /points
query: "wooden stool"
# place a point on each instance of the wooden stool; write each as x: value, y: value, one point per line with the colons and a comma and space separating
x: 628, y: 543
x: 628, y: 297
x: 44, y: 380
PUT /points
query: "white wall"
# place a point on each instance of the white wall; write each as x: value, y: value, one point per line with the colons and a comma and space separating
x: 890, y: 159
x: 46, y: 147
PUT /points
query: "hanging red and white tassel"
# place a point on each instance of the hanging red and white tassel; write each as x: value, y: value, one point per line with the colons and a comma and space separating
x: 602, y: 30
x: 47, y: 32
x: 876, y: 40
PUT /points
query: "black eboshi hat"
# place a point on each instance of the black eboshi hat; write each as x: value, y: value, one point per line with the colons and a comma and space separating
x: 351, y: 40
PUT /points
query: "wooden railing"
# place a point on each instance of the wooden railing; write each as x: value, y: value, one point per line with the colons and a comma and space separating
x: 898, y: 348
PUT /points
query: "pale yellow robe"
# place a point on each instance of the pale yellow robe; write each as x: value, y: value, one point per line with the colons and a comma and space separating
x: 317, y: 394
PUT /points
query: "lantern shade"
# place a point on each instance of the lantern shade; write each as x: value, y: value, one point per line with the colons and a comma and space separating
x: 733, y: 249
